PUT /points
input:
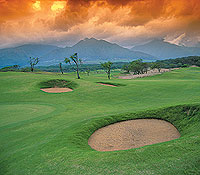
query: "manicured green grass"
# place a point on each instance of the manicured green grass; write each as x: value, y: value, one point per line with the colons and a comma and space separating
x: 45, y: 133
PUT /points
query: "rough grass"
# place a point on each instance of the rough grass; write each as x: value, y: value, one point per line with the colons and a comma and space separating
x: 47, y: 133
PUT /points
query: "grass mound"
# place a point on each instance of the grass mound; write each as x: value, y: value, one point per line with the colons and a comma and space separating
x: 58, y: 83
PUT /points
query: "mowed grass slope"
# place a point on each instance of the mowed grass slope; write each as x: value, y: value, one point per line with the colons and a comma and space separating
x: 45, y: 133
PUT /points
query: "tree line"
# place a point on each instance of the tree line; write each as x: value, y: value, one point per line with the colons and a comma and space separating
x: 136, y: 67
x: 180, y: 62
x: 140, y: 67
x: 75, y: 62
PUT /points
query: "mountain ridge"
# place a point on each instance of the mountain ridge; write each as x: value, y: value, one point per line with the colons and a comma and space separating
x: 165, y: 50
x: 92, y: 50
x: 19, y: 55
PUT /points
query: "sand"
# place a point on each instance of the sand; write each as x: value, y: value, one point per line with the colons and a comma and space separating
x: 56, y: 90
x: 132, y: 134
x: 148, y: 74
x: 107, y: 85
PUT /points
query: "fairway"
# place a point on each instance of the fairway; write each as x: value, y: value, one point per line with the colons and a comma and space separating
x: 47, y: 133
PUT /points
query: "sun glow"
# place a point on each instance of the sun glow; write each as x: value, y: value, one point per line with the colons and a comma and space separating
x: 58, y: 5
x: 36, y: 6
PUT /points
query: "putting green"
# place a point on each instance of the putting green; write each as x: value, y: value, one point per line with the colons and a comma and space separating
x: 14, y: 113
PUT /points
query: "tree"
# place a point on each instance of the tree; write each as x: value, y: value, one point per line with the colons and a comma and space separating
x: 145, y: 67
x: 156, y: 65
x: 16, y: 66
x: 127, y: 68
x: 107, y: 67
x: 74, y: 58
x: 197, y: 63
x: 88, y: 71
x: 137, y: 66
x: 61, y: 70
x: 33, y: 62
x: 185, y: 65
x: 10, y: 68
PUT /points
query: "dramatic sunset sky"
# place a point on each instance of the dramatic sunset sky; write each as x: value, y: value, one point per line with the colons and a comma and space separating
x: 125, y: 22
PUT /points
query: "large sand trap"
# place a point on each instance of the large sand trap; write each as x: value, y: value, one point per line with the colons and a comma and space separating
x: 132, y: 134
x: 107, y: 84
x: 56, y: 90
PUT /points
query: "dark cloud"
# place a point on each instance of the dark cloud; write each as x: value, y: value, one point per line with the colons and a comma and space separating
x: 127, y: 21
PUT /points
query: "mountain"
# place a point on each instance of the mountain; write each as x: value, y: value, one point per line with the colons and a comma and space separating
x: 165, y: 50
x: 93, y: 50
x: 101, y: 49
x: 20, y: 55
x: 198, y: 45
x: 89, y: 50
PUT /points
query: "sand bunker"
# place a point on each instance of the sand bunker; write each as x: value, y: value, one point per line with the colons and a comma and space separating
x: 132, y: 134
x: 56, y: 90
x: 107, y: 84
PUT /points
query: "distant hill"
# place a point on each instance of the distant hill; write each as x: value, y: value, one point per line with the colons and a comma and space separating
x: 165, y: 50
x: 89, y: 50
x: 20, y: 55
x: 93, y: 50
x: 180, y: 62
x: 198, y: 45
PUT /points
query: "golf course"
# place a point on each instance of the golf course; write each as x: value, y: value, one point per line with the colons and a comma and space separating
x: 45, y: 133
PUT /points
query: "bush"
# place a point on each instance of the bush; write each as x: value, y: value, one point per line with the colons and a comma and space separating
x: 10, y: 68
x: 58, y: 83
x: 185, y: 65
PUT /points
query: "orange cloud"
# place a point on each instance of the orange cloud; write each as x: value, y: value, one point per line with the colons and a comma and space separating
x: 123, y: 21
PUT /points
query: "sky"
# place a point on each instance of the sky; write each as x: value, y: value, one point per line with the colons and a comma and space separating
x: 125, y: 22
